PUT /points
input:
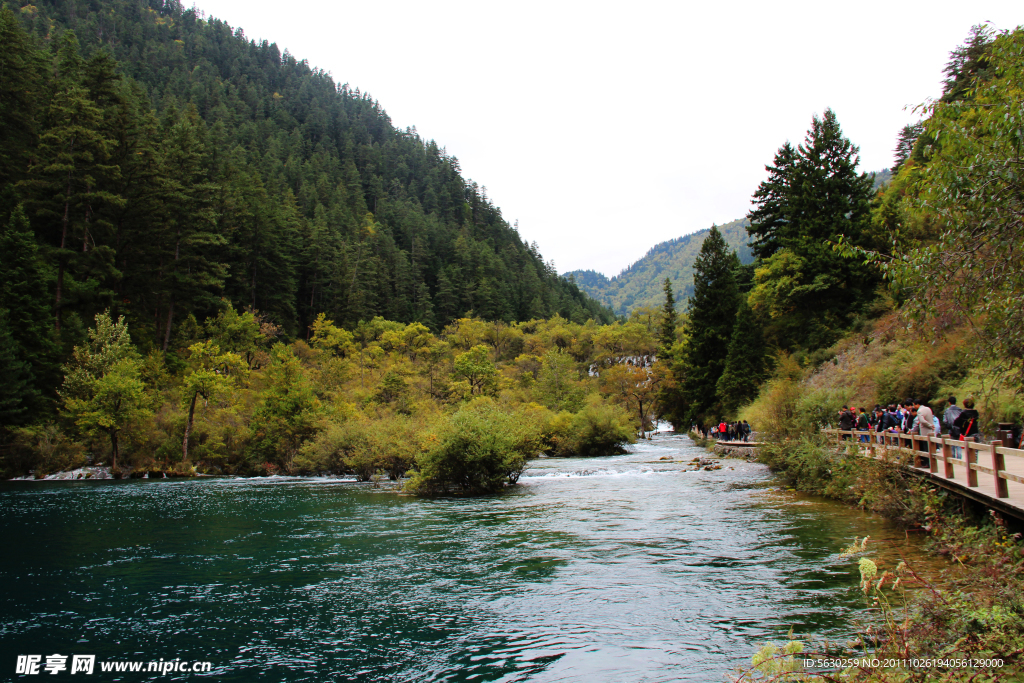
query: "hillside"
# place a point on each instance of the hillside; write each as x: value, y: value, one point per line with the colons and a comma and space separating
x: 641, y: 283
x: 165, y: 163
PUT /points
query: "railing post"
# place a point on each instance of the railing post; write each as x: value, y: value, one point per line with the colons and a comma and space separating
x: 999, y: 464
x: 971, y: 456
x: 933, y: 465
x: 947, y: 459
x: 871, y: 444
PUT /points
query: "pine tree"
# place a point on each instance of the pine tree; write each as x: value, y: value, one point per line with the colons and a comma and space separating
x: 65, y: 183
x: 190, y: 239
x: 967, y: 64
x: 712, y: 316
x: 745, y: 363
x: 669, y: 319
x: 771, y: 214
x: 23, y: 290
x: 21, y: 76
x: 813, y: 198
x: 17, y: 387
x: 905, y: 144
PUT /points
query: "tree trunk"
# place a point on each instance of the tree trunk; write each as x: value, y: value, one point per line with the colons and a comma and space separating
x: 170, y: 306
x: 114, y: 451
x: 188, y: 427
x: 85, y: 232
x: 63, y: 240
x: 170, y: 317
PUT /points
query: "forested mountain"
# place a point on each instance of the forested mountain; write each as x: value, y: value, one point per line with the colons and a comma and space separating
x: 162, y: 163
x: 641, y: 283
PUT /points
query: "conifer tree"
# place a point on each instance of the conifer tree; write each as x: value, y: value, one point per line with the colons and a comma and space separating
x: 712, y: 316
x: 65, y: 183
x: 745, y: 363
x: 905, y: 144
x: 17, y: 388
x: 23, y: 291
x: 968, y: 63
x: 21, y: 77
x: 669, y: 319
x: 190, y: 274
x: 813, y: 198
x: 771, y: 212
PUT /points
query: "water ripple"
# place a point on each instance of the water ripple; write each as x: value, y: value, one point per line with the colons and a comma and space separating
x: 599, y: 569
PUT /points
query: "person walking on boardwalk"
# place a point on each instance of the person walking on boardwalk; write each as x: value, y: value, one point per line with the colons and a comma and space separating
x: 924, y: 423
x: 879, y: 422
x: 863, y: 424
x: 952, y: 413
x: 846, y: 421
x: 925, y: 419
x: 967, y: 422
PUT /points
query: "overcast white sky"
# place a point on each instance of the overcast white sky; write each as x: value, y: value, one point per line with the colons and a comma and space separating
x: 605, y: 128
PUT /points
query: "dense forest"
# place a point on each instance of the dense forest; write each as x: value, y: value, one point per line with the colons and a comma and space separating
x: 216, y: 259
x: 160, y: 165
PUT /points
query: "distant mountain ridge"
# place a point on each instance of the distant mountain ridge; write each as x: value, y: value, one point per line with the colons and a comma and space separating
x: 641, y: 283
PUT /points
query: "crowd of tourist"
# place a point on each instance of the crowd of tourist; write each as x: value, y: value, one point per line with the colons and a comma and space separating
x: 914, y: 417
x: 724, y: 431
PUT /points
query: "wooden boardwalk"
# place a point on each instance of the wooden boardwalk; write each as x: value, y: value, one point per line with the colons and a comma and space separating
x: 989, y: 473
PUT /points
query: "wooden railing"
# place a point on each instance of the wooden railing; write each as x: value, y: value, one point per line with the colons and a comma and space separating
x: 941, y: 449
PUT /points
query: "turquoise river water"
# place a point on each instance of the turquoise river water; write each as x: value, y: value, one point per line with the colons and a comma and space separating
x: 625, y: 568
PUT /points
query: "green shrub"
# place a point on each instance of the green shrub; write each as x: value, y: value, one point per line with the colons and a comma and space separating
x: 774, y: 412
x: 812, y: 465
x: 44, y: 448
x: 362, y: 447
x: 480, y: 449
x: 287, y: 414
x: 597, y: 429
x: 819, y: 408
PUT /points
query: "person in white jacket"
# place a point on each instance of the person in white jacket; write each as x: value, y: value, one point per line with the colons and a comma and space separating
x: 925, y: 419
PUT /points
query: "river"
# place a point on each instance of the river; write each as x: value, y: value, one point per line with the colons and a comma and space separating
x: 624, y: 568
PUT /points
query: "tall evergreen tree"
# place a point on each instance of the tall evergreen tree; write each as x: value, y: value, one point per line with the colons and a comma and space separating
x: 745, y: 363
x: 66, y: 182
x: 24, y: 289
x: 712, y: 315
x: 21, y: 79
x: 968, y: 63
x: 905, y: 144
x: 17, y: 387
x: 813, y: 198
x: 190, y: 272
x: 669, y: 318
x: 770, y: 216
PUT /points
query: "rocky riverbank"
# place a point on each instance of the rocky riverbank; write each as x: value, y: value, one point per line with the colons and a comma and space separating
x: 744, y: 451
x: 105, y: 472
